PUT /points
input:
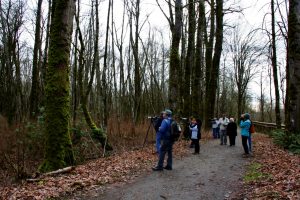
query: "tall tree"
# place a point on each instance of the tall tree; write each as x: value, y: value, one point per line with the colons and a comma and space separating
x: 294, y: 64
x: 58, y: 151
x: 197, y: 91
x: 34, y: 97
x: 134, y: 41
x: 274, y: 66
x: 98, y: 133
x: 175, y: 62
x: 189, y: 60
x: 213, y: 62
x: 104, y: 78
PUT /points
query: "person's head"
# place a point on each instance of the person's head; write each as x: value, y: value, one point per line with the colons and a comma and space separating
x: 223, y: 115
x: 193, y: 120
x: 247, y: 116
x: 231, y: 119
x: 167, y: 113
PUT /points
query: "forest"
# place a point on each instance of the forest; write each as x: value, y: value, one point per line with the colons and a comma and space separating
x: 80, y: 79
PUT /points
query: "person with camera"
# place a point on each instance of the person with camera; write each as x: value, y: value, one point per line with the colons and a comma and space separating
x: 195, y: 129
x: 223, y: 122
x: 166, y: 142
x: 245, y: 126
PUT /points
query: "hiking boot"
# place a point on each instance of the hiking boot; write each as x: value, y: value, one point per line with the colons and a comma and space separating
x: 168, y: 167
x: 157, y: 168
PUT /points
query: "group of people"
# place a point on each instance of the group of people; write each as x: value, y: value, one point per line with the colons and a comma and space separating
x: 221, y: 129
x: 164, y: 141
x: 224, y: 127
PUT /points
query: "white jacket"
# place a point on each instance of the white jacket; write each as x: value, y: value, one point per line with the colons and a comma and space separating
x: 223, y: 123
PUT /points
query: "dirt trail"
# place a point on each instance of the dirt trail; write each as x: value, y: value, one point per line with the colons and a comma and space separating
x: 215, y: 173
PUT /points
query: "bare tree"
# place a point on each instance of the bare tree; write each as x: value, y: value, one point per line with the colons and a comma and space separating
x: 34, y: 97
x: 175, y: 27
x: 245, y: 59
x: 274, y: 66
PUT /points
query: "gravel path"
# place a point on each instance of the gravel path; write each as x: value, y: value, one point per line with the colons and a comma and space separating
x: 215, y: 173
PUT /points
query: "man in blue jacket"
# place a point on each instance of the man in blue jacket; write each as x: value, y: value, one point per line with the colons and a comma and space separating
x: 167, y: 142
x: 245, y: 126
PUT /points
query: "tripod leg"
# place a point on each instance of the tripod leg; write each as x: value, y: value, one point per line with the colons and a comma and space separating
x: 146, y: 137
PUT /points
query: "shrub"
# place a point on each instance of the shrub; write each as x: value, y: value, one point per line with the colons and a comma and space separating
x: 287, y: 140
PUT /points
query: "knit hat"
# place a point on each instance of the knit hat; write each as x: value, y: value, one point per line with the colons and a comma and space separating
x: 168, y: 112
x: 247, y: 116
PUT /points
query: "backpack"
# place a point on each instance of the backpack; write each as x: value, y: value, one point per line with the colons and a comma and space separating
x: 252, y: 128
x: 175, y: 132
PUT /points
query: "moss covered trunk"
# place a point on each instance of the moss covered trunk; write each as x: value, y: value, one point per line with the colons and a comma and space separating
x: 97, y: 133
x: 59, y: 152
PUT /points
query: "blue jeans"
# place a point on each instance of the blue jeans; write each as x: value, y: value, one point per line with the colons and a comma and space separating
x: 223, y: 137
x: 166, y: 147
x: 250, y: 142
x: 158, y: 141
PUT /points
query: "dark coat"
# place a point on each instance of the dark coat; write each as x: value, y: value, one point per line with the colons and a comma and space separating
x: 232, y: 129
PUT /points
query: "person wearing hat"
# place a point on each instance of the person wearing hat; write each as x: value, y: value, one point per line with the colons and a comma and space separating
x: 245, y: 133
x: 166, y: 142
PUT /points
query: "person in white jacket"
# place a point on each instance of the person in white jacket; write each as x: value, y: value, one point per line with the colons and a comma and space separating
x: 223, y: 122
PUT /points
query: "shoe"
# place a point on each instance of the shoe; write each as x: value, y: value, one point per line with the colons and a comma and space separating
x: 157, y: 169
x: 196, y: 153
x: 168, y: 167
x: 245, y: 155
x: 221, y: 144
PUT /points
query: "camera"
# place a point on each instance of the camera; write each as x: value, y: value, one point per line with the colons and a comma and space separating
x: 153, y: 117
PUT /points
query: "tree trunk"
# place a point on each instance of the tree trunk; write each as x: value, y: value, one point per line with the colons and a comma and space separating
x: 97, y: 133
x: 212, y: 82
x: 274, y: 65
x: 190, y: 62
x: 174, y: 56
x: 59, y: 151
x: 294, y: 64
x: 197, y: 87
x: 34, y: 101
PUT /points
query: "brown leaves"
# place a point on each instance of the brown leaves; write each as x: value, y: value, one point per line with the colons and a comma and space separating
x: 116, y: 168
x: 282, y: 169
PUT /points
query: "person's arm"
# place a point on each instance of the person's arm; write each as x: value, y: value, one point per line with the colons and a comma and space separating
x: 163, y: 127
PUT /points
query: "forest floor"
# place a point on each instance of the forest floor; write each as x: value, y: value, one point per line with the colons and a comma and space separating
x: 218, y: 172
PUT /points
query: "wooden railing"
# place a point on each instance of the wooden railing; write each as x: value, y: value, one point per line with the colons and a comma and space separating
x: 265, y: 126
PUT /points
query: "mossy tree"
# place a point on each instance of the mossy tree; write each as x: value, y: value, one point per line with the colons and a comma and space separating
x: 97, y: 132
x: 59, y: 152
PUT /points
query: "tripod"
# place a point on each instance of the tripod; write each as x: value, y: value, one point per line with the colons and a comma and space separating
x: 151, y: 124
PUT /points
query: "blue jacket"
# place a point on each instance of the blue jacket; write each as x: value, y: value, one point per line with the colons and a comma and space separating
x: 245, y: 126
x: 165, y: 129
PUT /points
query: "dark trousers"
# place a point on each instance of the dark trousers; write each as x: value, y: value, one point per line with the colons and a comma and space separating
x: 166, y: 147
x: 232, y: 140
x: 196, y: 144
x: 245, y: 144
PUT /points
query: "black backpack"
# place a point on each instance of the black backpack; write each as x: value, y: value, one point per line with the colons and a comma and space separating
x: 175, y: 132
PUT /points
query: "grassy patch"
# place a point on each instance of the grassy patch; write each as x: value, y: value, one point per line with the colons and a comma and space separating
x: 254, y: 174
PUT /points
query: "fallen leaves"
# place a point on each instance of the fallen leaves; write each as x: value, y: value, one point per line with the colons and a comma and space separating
x: 282, y: 170
x: 116, y: 168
